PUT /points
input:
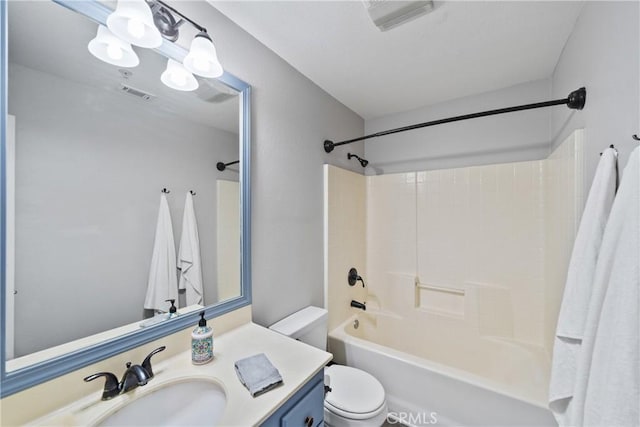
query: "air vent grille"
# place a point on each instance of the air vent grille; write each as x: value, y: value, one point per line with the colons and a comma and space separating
x: 388, y: 14
x: 136, y: 92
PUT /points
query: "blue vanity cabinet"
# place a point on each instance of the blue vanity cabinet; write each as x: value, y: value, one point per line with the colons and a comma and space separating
x: 303, y: 409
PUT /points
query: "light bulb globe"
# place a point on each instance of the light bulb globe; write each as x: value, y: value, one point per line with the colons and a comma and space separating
x: 202, y: 58
x: 110, y: 49
x: 177, y: 77
x: 132, y: 21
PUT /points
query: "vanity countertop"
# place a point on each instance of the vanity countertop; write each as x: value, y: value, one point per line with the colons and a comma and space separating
x: 297, y: 363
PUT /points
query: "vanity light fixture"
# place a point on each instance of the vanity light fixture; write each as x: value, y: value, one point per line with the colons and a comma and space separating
x: 177, y: 77
x: 132, y: 21
x: 109, y: 48
x: 144, y: 23
x: 202, y: 58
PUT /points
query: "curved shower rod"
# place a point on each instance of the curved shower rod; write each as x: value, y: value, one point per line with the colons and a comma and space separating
x: 575, y: 101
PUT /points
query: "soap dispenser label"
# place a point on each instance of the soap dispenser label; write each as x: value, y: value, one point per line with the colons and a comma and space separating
x: 202, y: 350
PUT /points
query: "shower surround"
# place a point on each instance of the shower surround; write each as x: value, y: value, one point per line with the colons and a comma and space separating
x: 464, y: 269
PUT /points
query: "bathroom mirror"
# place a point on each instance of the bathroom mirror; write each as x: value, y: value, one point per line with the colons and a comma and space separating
x: 88, y: 149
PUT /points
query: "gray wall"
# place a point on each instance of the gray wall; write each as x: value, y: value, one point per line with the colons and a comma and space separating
x: 291, y: 118
x: 90, y: 165
x: 602, y: 54
x: 503, y: 138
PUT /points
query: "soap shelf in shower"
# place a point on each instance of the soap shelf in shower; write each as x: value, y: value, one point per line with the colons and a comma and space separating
x: 440, y: 299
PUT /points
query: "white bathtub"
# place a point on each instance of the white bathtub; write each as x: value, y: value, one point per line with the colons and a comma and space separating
x: 445, y: 379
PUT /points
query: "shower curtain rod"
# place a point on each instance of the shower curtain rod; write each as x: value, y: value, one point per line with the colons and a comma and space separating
x: 222, y: 166
x: 575, y: 101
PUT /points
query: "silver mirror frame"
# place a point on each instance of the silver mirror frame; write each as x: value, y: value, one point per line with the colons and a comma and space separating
x: 18, y: 380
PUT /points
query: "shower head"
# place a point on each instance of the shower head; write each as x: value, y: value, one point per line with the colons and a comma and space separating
x: 362, y: 161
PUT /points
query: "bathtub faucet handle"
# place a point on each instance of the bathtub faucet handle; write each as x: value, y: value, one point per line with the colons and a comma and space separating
x: 353, y: 277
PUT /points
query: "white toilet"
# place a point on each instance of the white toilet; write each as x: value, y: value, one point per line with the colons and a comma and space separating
x: 356, y: 398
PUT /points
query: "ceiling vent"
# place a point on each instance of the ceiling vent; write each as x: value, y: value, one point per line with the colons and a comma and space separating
x: 136, y: 92
x: 388, y: 14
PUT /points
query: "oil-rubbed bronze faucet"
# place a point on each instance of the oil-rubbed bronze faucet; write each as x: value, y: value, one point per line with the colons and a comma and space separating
x: 134, y: 376
x: 353, y: 277
x: 358, y: 304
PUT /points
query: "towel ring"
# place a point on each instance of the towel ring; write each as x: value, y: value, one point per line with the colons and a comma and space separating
x: 165, y: 191
x: 635, y: 137
x: 193, y: 193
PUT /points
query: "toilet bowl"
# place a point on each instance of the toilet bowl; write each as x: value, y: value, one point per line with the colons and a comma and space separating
x: 356, y: 398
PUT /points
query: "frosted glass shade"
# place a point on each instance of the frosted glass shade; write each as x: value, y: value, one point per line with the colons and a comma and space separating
x: 132, y: 21
x: 110, y: 49
x: 177, y: 77
x: 202, y: 58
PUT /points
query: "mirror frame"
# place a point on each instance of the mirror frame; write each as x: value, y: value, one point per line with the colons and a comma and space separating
x: 15, y: 381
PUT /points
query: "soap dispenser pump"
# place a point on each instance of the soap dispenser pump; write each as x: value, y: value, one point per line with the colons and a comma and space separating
x: 173, y: 310
x: 202, y: 342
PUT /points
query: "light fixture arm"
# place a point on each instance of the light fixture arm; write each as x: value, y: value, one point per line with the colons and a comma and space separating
x: 192, y: 22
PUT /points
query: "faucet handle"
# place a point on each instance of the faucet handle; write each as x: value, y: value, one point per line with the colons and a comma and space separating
x: 146, y: 364
x: 111, y: 385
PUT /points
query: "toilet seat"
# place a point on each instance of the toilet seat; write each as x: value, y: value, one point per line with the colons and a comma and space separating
x: 355, y: 416
x: 355, y: 394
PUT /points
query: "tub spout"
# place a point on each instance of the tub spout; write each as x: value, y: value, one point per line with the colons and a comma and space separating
x: 357, y: 304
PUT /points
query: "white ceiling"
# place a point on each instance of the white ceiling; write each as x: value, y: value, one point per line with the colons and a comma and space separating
x: 460, y: 49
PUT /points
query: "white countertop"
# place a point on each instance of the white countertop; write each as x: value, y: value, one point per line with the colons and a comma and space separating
x: 297, y: 363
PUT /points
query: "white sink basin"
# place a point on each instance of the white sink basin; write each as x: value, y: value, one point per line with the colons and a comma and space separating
x: 184, y: 403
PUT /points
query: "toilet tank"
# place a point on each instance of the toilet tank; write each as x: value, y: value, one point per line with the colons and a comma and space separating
x: 308, y: 325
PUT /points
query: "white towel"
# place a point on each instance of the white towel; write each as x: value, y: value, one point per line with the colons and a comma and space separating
x: 608, y: 378
x: 163, y: 276
x: 189, y: 256
x: 578, y: 288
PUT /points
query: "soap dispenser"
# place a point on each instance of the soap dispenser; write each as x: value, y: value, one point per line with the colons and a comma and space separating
x: 161, y: 317
x: 173, y: 311
x: 202, y: 342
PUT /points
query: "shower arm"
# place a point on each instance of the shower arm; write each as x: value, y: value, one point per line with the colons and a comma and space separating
x: 363, y: 162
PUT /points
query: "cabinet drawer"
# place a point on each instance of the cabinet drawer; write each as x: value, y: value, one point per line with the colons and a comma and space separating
x: 309, y: 411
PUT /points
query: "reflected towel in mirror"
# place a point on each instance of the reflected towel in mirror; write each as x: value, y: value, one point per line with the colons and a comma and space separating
x: 163, y: 278
x: 189, y: 262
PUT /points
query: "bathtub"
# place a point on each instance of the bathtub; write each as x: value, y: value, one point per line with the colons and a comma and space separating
x: 447, y: 379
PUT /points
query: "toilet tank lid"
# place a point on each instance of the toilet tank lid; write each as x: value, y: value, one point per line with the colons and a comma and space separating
x: 299, y: 321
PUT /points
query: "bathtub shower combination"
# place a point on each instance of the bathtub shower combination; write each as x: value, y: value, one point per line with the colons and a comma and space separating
x: 486, y: 384
x: 464, y: 272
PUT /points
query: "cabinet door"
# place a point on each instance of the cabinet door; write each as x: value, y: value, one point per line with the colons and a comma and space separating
x: 308, y: 411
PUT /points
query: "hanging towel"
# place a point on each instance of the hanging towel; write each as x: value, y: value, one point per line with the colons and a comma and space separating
x: 163, y: 276
x: 189, y: 255
x: 578, y: 288
x: 608, y: 378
